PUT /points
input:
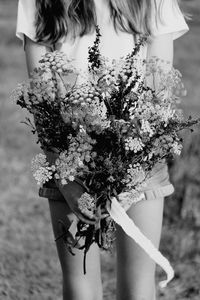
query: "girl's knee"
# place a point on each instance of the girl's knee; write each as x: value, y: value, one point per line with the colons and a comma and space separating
x: 145, y: 291
x: 79, y: 288
x: 137, y: 294
x: 137, y: 286
x: 76, y: 284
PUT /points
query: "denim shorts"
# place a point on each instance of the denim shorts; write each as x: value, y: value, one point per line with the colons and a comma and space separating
x: 156, y: 185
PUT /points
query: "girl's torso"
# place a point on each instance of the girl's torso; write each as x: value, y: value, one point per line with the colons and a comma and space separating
x: 113, y: 44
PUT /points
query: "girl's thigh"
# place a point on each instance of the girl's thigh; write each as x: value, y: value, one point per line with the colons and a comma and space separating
x: 135, y: 269
x: 72, y: 266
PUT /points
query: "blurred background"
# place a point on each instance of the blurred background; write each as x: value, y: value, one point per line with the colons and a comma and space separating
x: 29, y: 267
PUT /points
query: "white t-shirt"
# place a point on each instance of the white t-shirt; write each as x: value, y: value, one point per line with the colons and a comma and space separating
x: 113, y: 45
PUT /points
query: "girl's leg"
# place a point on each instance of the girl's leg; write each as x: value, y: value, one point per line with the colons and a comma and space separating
x: 76, y: 285
x: 135, y: 269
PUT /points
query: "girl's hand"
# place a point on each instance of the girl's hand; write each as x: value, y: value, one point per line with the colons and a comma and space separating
x: 72, y: 192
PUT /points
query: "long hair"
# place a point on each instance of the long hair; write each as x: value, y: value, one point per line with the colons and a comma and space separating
x: 58, y: 18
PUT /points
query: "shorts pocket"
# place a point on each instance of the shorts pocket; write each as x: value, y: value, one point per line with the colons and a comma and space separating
x: 51, y: 194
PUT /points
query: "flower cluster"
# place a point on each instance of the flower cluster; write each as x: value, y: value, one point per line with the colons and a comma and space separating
x: 135, y: 176
x: 109, y: 131
x: 69, y: 164
x: 73, y: 161
x: 146, y: 128
x: 41, y: 169
x: 56, y: 61
x: 133, y: 144
x: 87, y: 205
x: 176, y: 148
x: 83, y: 107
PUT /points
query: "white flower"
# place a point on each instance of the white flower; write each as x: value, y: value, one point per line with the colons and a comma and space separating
x: 86, y: 204
x: 71, y: 178
x: 42, y: 171
x: 73, y: 161
x: 135, y: 175
x: 97, y: 114
x: 133, y: 144
x: 146, y: 128
x: 64, y: 181
x: 42, y: 175
x: 176, y: 148
x: 166, y: 113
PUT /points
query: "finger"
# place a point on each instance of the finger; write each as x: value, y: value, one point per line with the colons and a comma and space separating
x: 104, y: 211
x: 87, y: 214
x: 85, y: 219
x: 104, y: 215
x: 89, y: 222
x: 108, y: 206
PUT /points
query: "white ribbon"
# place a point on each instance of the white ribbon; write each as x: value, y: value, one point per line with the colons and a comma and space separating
x: 119, y: 215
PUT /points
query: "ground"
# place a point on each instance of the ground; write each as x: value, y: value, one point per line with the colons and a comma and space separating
x: 29, y: 267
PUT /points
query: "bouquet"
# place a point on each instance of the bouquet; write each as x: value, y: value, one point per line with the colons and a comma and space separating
x: 108, y: 129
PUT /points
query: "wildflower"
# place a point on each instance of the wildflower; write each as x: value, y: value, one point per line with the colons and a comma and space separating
x: 86, y: 204
x: 74, y: 160
x: 133, y: 144
x: 56, y: 61
x: 71, y: 178
x: 146, y: 128
x: 42, y: 171
x: 166, y: 113
x: 176, y: 148
x: 135, y: 175
x: 64, y: 181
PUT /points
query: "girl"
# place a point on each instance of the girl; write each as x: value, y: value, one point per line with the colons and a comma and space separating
x: 69, y: 26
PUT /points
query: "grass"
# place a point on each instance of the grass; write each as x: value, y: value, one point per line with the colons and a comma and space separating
x: 29, y: 267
